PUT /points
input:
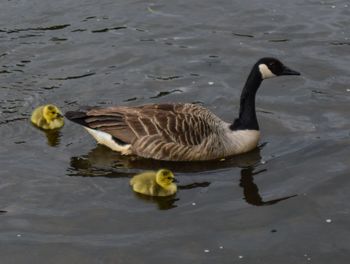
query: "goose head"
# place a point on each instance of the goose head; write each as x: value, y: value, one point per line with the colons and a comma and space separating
x: 51, y: 113
x: 165, y: 178
x: 265, y: 68
x: 271, y: 67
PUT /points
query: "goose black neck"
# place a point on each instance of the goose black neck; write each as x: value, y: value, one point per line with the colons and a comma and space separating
x: 247, y: 114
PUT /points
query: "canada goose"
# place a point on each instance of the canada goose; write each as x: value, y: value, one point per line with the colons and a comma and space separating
x: 47, y: 117
x: 181, y: 132
x: 160, y: 183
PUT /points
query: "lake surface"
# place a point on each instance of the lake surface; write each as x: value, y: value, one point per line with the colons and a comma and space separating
x: 66, y: 200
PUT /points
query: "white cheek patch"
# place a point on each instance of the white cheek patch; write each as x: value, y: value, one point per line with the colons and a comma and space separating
x: 265, y: 72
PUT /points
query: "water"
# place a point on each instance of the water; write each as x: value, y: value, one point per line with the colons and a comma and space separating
x: 66, y: 200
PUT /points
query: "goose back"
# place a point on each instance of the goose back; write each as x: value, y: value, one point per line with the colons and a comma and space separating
x: 161, y: 131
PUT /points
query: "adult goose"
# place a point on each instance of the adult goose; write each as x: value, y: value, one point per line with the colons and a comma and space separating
x: 181, y: 132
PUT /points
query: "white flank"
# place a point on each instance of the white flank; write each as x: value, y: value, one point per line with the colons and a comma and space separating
x: 265, y: 72
x: 106, y: 139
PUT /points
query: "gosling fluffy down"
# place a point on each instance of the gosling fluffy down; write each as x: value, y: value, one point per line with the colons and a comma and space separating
x: 160, y: 183
x: 47, y: 117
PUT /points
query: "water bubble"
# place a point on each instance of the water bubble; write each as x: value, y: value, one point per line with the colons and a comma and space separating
x: 329, y: 220
x: 240, y: 257
x: 206, y: 250
x: 210, y: 83
x: 193, y: 204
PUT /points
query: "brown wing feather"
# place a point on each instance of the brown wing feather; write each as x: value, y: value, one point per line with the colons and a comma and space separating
x: 154, y: 125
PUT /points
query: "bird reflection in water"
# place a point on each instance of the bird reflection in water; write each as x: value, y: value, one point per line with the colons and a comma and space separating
x: 103, y: 162
x: 251, y: 190
x: 163, y: 203
x: 53, y: 136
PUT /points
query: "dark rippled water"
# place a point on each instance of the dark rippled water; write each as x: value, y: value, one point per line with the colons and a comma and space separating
x: 66, y: 200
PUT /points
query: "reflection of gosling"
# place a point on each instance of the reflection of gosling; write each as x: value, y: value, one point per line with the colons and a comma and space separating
x: 160, y: 183
x: 47, y: 117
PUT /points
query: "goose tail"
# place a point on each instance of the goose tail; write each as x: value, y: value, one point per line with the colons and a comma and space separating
x: 78, y: 116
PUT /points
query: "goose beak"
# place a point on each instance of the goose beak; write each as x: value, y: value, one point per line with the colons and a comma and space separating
x: 287, y: 71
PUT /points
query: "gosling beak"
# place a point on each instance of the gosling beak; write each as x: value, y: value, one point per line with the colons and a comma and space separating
x: 175, y: 180
x: 59, y: 115
x: 287, y: 71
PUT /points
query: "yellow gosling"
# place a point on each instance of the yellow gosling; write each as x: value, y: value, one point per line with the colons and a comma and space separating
x: 160, y: 183
x: 47, y: 117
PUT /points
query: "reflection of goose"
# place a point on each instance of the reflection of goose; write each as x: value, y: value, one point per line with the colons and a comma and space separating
x: 251, y: 190
x: 103, y: 162
x: 181, y: 132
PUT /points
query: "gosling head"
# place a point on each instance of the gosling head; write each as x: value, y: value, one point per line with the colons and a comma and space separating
x: 271, y: 67
x: 51, y: 113
x: 165, y: 178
